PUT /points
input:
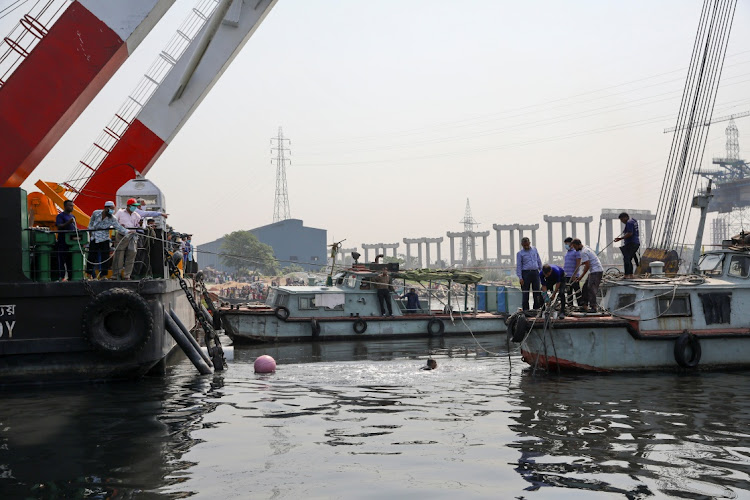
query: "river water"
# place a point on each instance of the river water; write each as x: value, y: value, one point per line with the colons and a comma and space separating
x: 361, y: 420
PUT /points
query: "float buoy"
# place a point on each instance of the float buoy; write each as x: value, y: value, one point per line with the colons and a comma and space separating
x: 265, y: 364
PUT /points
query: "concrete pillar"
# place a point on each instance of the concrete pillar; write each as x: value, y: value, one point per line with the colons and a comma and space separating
x: 419, y: 253
x: 464, y: 245
x: 513, y: 247
x: 484, y: 249
x: 427, y: 253
x: 610, y: 237
x: 439, y: 244
x: 408, y: 251
x: 367, y: 253
x: 453, y: 252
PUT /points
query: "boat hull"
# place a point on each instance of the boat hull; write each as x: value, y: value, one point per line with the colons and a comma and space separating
x: 617, y: 345
x: 252, y: 326
x: 46, y: 342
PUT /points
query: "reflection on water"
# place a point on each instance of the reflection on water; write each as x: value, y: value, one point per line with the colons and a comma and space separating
x: 639, y: 435
x: 360, y: 419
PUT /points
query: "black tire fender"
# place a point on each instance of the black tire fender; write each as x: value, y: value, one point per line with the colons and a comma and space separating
x: 431, y: 329
x: 117, y: 322
x: 282, y: 313
x: 315, y: 327
x: 687, y: 343
x: 360, y: 326
x: 520, y: 327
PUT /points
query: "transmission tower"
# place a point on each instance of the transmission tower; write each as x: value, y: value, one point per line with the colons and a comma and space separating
x: 469, y: 223
x: 281, y: 199
x: 733, y: 141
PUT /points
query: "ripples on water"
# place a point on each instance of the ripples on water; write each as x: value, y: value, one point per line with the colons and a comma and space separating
x: 360, y: 420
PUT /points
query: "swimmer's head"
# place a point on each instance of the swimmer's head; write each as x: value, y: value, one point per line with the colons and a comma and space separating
x: 431, y: 364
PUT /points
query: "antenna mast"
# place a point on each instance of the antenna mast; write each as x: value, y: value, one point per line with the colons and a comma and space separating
x: 281, y: 199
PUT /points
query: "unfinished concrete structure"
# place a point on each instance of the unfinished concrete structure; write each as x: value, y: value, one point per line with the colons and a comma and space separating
x: 552, y: 242
x: 468, y: 240
x: 609, y: 215
x: 419, y: 242
x: 344, y: 256
x: 510, y: 258
x: 380, y: 249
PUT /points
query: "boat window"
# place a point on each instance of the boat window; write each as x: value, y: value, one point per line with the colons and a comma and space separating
x: 677, y: 306
x: 307, y: 302
x: 625, y: 303
x: 271, y: 299
x: 717, y: 307
x: 710, y: 263
x: 282, y: 299
x: 364, y: 284
x: 351, y: 281
x: 740, y: 266
x: 339, y: 307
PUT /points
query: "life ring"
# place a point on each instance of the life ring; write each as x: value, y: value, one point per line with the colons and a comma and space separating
x: 520, y: 327
x: 118, y: 322
x: 315, y: 326
x: 431, y: 326
x: 360, y: 326
x: 681, y: 345
x: 282, y: 313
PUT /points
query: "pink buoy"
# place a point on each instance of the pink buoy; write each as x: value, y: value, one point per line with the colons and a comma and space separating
x: 265, y: 364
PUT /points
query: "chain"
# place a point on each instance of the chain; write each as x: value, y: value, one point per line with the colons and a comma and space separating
x: 215, y: 352
x: 87, y: 288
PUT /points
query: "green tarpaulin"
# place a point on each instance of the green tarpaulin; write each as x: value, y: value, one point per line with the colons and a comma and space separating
x: 462, y: 277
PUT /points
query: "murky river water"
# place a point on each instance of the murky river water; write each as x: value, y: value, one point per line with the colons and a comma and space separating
x: 360, y: 420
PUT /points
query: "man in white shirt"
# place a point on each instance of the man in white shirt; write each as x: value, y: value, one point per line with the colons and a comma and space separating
x: 126, y: 246
x: 593, y: 267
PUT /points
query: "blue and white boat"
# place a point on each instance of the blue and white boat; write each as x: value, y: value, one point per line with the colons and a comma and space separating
x: 348, y: 309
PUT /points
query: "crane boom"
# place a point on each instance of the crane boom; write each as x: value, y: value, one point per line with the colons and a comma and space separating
x: 162, y: 117
x: 715, y: 120
x: 67, y: 68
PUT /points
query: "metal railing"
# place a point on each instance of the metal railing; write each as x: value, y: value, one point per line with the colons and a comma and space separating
x: 27, y: 33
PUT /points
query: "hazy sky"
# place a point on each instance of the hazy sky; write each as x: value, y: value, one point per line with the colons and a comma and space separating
x: 399, y: 111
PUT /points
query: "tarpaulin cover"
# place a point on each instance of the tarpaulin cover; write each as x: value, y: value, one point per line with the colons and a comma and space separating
x: 455, y: 275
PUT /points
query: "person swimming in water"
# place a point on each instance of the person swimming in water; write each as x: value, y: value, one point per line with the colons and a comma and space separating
x: 431, y: 365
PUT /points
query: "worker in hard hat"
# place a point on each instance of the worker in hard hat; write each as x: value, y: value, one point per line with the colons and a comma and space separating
x: 126, y: 246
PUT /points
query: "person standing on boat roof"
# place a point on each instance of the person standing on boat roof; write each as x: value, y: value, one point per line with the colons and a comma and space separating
x: 572, y: 267
x: 553, y: 278
x: 127, y: 246
x: 383, y: 286
x: 593, y: 267
x: 528, y: 265
x: 65, y: 221
x: 412, y: 301
x: 631, y: 235
x: 101, y: 222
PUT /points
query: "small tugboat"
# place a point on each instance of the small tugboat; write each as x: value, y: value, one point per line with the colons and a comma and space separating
x: 655, y: 322
x: 348, y: 309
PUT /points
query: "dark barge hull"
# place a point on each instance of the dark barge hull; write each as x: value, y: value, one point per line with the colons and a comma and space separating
x: 43, y: 340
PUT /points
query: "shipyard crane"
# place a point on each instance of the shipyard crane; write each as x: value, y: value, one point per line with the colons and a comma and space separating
x: 140, y: 131
x: 54, y: 63
x: 165, y: 107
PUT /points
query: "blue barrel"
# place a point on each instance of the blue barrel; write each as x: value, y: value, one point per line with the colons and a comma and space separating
x: 481, y: 297
x: 491, y: 298
x: 502, y: 302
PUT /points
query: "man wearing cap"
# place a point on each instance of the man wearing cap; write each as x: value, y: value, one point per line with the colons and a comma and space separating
x: 631, y: 244
x: 126, y: 245
x: 101, y: 222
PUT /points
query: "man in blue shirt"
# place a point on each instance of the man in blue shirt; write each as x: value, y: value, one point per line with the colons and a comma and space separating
x: 65, y: 221
x: 528, y: 265
x: 572, y: 269
x: 412, y: 301
x: 553, y: 278
x: 632, y: 242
